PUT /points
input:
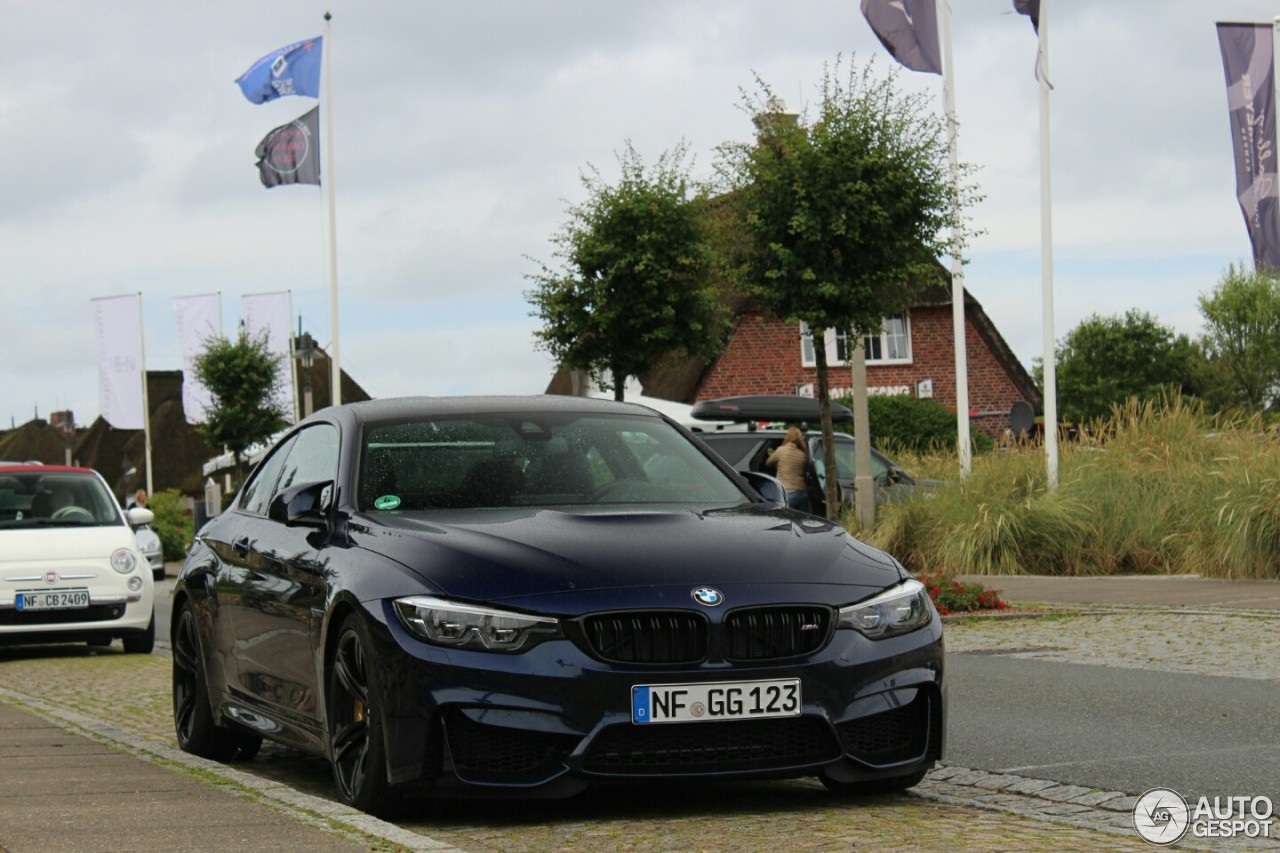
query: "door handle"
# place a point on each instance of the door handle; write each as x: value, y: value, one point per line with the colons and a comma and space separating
x: 241, y: 546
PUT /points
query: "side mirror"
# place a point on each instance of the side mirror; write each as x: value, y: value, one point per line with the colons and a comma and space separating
x: 769, y: 488
x: 139, y: 516
x: 304, y: 505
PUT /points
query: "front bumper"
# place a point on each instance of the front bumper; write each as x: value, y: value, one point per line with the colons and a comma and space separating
x: 554, y: 719
x: 114, y: 609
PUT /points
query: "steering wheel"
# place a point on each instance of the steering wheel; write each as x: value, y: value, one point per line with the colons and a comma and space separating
x: 77, y: 512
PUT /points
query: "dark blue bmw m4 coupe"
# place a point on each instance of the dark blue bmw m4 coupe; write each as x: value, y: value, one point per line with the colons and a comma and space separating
x: 525, y: 596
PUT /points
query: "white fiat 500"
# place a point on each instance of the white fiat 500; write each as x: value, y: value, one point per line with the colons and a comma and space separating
x: 70, y: 566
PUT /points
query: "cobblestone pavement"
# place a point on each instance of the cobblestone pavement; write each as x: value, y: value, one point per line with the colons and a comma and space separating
x: 124, y: 699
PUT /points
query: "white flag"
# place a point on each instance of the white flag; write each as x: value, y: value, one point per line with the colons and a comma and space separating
x: 269, y: 313
x: 117, y: 322
x: 199, y: 320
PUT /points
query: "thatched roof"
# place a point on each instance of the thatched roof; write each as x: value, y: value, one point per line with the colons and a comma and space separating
x: 37, y: 441
x: 178, y: 450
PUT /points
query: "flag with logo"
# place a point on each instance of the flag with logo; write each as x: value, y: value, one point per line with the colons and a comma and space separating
x: 1248, y: 61
x: 198, y: 320
x: 292, y: 70
x: 117, y: 322
x: 908, y: 29
x: 266, y: 315
x: 290, y: 154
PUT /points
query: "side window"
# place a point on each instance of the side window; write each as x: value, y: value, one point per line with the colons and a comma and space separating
x: 739, y: 450
x: 314, y: 456
x: 260, y: 486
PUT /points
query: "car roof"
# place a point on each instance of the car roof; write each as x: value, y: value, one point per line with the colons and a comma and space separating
x: 766, y: 407
x: 400, y: 408
x: 37, y: 468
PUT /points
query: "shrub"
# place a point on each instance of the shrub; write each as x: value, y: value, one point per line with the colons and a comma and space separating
x: 952, y: 596
x: 909, y: 424
x: 172, y: 524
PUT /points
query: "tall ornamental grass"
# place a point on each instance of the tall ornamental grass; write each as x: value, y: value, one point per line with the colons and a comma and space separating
x: 1156, y: 488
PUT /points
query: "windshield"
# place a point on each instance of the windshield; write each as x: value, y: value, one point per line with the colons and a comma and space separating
x: 57, y: 498
x: 536, y: 459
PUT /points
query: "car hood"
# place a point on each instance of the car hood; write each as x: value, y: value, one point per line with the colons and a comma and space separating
x: 507, y: 555
x: 24, y: 547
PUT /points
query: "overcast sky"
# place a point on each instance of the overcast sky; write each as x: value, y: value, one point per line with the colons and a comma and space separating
x: 461, y: 128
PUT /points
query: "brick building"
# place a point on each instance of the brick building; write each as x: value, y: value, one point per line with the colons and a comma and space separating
x: 914, y: 355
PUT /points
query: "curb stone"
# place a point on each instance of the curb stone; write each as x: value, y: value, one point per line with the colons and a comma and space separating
x: 1104, y: 811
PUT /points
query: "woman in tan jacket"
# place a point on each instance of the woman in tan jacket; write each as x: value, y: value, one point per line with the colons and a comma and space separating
x: 789, y: 462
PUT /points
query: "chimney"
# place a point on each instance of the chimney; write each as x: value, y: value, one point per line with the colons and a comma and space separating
x: 774, y: 115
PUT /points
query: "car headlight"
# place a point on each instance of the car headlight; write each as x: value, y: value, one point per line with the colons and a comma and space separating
x: 898, y: 610
x: 467, y: 626
x: 123, y: 561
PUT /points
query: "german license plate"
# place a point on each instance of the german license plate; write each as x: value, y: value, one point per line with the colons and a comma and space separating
x: 717, y: 700
x: 54, y: 599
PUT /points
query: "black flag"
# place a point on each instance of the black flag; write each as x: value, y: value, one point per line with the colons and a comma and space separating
x: 908, y: 29
x: 1030, y: 8
x: 290, y: 154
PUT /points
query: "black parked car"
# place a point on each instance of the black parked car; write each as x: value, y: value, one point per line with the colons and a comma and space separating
x: 530, y: 595
x: 745, y: 445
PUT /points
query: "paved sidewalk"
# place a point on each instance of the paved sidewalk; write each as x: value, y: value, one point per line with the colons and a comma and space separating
x: 65, y: 792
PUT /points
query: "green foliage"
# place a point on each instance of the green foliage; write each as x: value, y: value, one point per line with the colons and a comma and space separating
x: 1106, y: 360
x: 171, y: 524
x: 1242, y: 336
x: 847, y: 214
x: 900, y: 423
x: 844, y: 216
x: 242, y: 377
x: 1168, y: 490
x: 636, y: 280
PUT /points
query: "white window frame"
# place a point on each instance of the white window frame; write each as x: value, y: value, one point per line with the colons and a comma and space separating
x: 837, y: 341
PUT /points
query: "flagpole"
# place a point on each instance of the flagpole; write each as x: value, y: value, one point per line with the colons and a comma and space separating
x: 1046, y: 259
x: 146, y: 405
x: 335, y: 380
x: 957, y: 264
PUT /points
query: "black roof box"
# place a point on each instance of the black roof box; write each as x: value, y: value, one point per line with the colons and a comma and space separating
x: 779, y: 407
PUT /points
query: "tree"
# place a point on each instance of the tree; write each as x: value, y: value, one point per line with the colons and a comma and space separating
x: 636, y: 280
x: 1106, y: 360
x: 1242, y: 335
x: 242, y: 378
x: 846, y: 215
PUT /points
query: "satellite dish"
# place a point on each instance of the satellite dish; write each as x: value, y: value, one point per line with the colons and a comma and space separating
x: 1022, y: 418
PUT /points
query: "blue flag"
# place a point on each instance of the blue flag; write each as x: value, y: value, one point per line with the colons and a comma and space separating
x: 291, y: 70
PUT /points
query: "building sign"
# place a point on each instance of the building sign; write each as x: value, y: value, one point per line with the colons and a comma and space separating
x: 807, y: 390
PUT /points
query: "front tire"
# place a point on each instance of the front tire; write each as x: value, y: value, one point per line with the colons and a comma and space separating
x: 143, y: 641
x: 356, y: 747
x: 193, y: 720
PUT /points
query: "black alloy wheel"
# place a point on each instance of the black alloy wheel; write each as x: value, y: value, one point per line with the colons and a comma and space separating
x: 355, y: 729
x: 193, y: 720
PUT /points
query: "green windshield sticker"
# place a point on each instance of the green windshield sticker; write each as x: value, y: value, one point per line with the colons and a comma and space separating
x: 387, y: 502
